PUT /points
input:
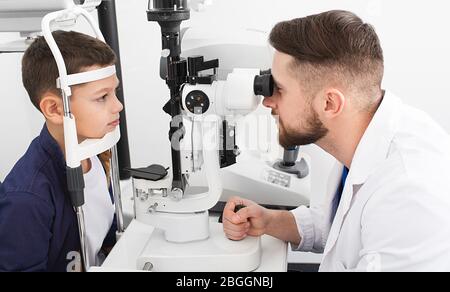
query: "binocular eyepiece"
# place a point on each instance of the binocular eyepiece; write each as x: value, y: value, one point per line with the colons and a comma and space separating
x: 264, y: 84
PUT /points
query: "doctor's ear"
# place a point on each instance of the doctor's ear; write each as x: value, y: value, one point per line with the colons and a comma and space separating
x: 332, y: 103
x: 52, y: 108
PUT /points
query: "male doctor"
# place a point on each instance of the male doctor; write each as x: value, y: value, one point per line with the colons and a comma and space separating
x: 392, y: 213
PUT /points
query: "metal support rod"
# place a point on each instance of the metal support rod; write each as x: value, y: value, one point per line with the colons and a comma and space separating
x: 83, y: 240
x: 75, y: 186
x: 107, y: 19
x: 169, y: 15
x: 117, y: 193
x: 176, y: 129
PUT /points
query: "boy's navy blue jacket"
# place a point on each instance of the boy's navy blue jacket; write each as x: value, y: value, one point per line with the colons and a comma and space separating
x: 38, y: 225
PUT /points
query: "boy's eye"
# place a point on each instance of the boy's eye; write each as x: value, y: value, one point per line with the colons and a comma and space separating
x: 103, y: 98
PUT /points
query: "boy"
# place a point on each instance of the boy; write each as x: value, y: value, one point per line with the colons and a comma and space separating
x: 38, y: 225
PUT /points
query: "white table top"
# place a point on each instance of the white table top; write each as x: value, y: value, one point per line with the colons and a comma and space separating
x: 124, y: 255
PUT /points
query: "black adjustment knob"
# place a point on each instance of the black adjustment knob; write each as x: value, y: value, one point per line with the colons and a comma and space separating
x: 168, y: 10
x: 168, y: 5
x: 197, y: 102
x: 290, y: 156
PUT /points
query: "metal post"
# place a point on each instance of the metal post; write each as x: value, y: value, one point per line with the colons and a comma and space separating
x: 116, y: 190
x: 108, y: 25
x: 83, y: 239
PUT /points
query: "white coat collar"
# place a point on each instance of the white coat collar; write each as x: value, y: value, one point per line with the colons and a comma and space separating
x: 374, y: 146
x: 370, y: 154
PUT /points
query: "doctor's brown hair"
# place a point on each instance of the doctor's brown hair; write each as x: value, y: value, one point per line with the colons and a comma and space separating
x: 335, y: 47
x: 80, y: 51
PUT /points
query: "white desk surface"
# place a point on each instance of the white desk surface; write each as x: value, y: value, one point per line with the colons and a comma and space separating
x: 124, y: 255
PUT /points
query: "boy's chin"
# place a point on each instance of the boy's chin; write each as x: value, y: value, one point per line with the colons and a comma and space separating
x: 96, y: 136
x: 92, y: 137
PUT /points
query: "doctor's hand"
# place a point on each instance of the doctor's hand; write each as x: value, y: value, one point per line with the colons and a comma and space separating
x: 252, y: 220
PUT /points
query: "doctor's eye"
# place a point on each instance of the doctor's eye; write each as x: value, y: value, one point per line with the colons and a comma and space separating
x: 279, y: 90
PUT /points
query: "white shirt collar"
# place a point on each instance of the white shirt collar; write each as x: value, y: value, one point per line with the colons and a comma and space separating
x: 376, y: 141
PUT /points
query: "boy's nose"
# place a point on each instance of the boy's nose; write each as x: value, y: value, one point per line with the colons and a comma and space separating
x: 118, y: 106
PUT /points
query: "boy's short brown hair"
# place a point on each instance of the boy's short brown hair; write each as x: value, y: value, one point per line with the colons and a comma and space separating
x: 39, y: 70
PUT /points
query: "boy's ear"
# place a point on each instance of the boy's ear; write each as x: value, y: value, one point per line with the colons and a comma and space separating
x: 52, y: 108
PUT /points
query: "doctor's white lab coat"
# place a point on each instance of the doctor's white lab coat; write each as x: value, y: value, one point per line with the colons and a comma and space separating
x: 394, y: 213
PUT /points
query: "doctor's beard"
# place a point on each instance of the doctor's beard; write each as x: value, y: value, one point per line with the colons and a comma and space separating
x: 312, y: 131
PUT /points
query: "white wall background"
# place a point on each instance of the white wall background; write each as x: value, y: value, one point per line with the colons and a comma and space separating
x: 415, y: 36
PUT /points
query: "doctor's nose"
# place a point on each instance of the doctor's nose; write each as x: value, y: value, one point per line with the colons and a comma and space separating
x: 270, y: 102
